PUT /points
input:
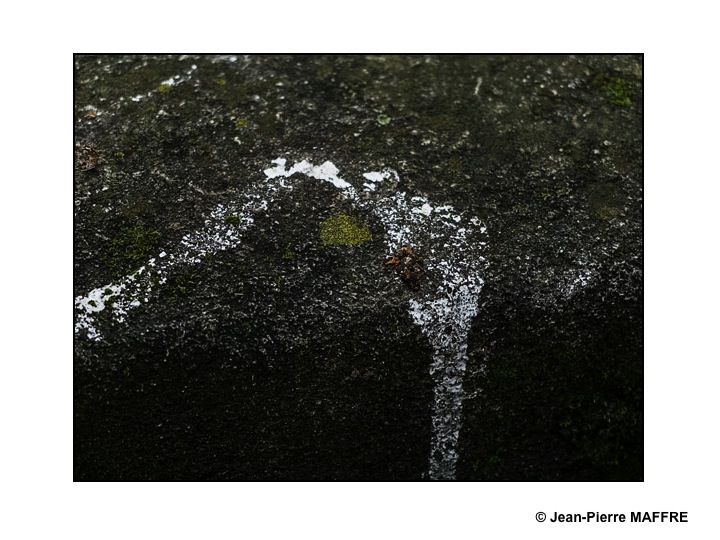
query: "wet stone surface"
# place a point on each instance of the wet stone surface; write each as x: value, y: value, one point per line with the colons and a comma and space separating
x: 235, y: 315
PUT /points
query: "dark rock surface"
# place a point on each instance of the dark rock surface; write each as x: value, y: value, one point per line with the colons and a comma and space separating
x: 280, y: 357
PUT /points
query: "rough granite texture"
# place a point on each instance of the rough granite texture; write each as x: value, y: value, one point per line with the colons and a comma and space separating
x: 286, y: 357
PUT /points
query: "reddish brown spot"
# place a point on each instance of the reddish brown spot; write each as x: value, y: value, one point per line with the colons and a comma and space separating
x: 407, y: 265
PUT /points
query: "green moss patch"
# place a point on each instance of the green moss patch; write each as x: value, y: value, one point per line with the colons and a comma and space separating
x: 619, y: 91
x: 131, y: 248
x: 343, y: 230
x: 233, y: 220
x: 289, y: 254
x: 606, y: 200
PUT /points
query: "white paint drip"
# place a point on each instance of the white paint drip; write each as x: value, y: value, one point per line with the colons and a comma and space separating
x: 452, y: 255
x: 452, y: 259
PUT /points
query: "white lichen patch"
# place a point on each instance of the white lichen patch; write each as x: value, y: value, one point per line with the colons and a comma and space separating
x: 450, y: 245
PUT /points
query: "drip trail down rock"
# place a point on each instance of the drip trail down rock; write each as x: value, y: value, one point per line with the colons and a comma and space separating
x: 443, y: 309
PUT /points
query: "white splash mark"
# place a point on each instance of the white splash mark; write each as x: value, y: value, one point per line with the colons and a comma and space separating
x: 424, y: 209
x: 375, y: 178
x: 326, y: 171
x: 444, y: 312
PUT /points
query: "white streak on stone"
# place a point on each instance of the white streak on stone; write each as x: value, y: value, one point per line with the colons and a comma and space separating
x: 452, y: 255
x: 446, y: 321
x: 477, y: 86
x: 452, y: 258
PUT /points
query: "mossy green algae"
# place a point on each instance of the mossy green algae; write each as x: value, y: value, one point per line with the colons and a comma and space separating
x: 343, y: 230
